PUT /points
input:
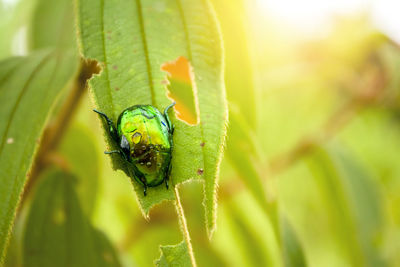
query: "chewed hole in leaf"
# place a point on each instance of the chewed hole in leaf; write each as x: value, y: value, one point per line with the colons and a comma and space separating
x: 181, y: 89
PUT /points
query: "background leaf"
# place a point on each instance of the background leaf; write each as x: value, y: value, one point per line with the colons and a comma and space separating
x: 58, y: 233
x: 292, y: 250
x: 175, y: 255
x: 52, y: 25
x: 248, y: 241
x: 81, y: 155
x: 131, y: 40
x: 239, y: 77
x: 242, y: 152
x: 352, y: 197
x: 242, y: 143
x: 28, y: 89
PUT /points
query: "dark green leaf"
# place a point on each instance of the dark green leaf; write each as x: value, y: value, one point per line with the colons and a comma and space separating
x: 57, y: 232
x: 291, y: 248
x: 28, y: 89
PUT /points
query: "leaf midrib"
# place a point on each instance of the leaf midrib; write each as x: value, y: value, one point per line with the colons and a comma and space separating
x: 145, y: 48
x: 111, y: 102
x: 146, y: 51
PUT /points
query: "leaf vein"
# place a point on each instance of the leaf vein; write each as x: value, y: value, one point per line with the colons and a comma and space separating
x: 185, y: 30
x: 23, y: 91
x: 15, y: 183
x: 10, y: 72
x: 189, y: 51
x: 105, y: 57
x: 146, y: 50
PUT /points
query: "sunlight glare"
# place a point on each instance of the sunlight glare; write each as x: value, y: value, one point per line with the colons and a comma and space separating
x: 310, y: 16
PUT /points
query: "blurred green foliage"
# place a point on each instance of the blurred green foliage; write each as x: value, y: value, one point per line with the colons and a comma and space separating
x: 57, y: 230
x: 27, y: 93
x: 311, y: 171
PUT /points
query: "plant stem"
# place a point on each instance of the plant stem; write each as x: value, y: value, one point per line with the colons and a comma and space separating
x: 183, y: 224
x: 54, y: 132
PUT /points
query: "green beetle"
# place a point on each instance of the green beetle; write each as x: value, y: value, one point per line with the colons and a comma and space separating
x: 144, y: 139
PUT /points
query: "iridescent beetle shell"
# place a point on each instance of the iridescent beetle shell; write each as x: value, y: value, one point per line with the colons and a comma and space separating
x: 144, y: 138
x: 147, y: 133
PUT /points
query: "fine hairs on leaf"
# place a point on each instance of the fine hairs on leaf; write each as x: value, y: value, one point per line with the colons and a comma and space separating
x: 184, y: 228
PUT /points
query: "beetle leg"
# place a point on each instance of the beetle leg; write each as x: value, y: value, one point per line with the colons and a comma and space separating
x: 168, y: 172
x: 168, y: 175
x: 170, y: 126
x: 123, y: 155
x: 145, y: 190
x: 113, y: 151
x: 144, y: 185
x: 112, y: 129
x: 136, y: 175
x: 171, y: 141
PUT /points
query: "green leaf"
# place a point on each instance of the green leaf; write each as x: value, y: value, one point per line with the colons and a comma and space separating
x: 239, y: 76
x: 292, y: 250
x: 81, y: 154
x: 174, y: 255
x: 57, y: 233
x: 247, y: 238
x: 13, y: 257
x: 52, y: 25
x: 131, y: 40
x: 241, y: 151
x: 241, y: 148
x: 28, y: 89
x: 352, y: 198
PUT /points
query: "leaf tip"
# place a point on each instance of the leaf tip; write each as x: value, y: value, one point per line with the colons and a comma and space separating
x: 174, y: 255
